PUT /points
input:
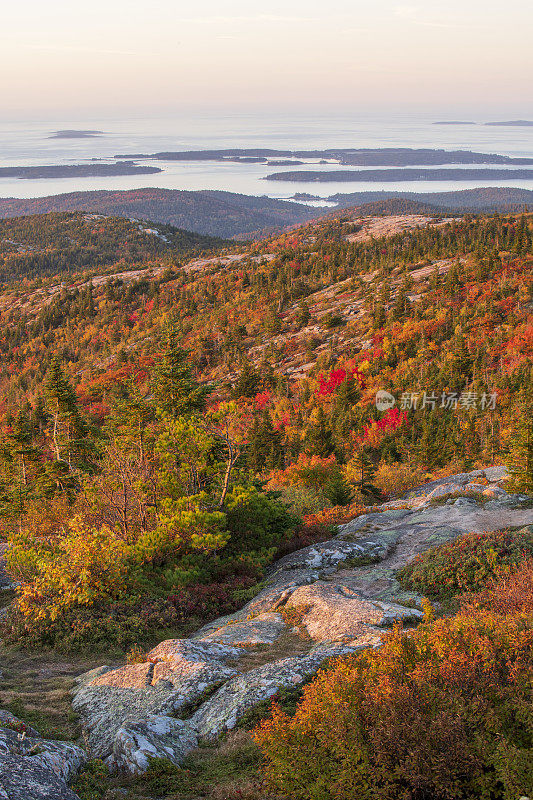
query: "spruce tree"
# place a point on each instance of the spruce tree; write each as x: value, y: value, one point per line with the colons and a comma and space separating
x: 519, y: 451
x: 265, y: 447
x: 248, y: 383
x: 318, y: 439
x: 365, y: 465
x: 70, y: 434
x: 176, y: 391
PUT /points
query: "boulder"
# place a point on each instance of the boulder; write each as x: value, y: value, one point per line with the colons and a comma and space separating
x: 32, y: 768
x: 260, y: 630
x: 156, y: 736
x: 187, y: 651
x: 332, y: 553
x: 133, y: 676
x: 496, y: 474
x: 332, y: 612
x: 228, y: 705
x: 178, y: 674
x: 25, y: 779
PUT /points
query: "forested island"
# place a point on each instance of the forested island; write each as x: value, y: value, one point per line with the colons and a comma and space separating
x: 364, y: 157
x: 75, y: 134
x: 77, y: 170
x: 396, y: 175
x: 525, y: 123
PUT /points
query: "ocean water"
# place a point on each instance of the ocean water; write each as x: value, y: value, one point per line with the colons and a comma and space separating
x: 27, y: 144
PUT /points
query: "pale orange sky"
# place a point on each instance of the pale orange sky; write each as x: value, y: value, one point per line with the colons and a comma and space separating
x: 126, y: 55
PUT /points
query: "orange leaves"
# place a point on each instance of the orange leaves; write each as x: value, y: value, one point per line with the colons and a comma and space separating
x: 431, y: 711
x: 338, y: 515
x: 311, y: 471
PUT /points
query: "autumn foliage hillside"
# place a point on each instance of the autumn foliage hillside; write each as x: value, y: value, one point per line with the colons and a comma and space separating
x: 194, y: 414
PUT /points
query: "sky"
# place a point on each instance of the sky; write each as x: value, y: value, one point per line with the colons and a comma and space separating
x: 132, y: 56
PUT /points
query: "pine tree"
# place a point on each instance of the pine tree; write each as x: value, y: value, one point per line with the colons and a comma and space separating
x: 318, y: 439
x: 519, y: 451
x: 175, y: 390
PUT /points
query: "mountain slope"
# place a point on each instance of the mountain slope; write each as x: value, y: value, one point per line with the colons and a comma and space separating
x: 484, y: 200
x: 215, y: 213
x: 53, y: 244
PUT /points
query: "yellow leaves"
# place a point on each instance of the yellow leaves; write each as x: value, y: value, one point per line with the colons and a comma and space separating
x: 85, y: 565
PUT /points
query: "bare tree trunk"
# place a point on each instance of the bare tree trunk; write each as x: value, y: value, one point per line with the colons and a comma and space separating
x: 232, y: 457
x: 54, y: 436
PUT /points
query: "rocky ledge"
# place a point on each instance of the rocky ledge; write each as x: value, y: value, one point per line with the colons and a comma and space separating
x: 32, y: 768
x: 326, y: 600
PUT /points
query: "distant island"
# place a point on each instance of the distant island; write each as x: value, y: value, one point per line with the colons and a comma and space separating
x: 91, y: 170
x: 367, y: 157
x: 398, y: 175
x: 523, y: 123
x: 74, y: 134
x: 455, y: 122
x: 285, y: 163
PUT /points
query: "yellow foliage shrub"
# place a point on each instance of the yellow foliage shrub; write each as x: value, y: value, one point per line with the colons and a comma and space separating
x: 395, y: 479
x: 59, y: 573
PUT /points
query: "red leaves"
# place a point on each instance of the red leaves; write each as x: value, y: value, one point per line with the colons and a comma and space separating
x: 392, y: 420
x: 262, y: 399
x: 330, y: 383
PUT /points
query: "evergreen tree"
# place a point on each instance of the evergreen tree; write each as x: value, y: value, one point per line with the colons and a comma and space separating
x: 248, y: 383
x: 265, y: 446
x: 339, y: 492
x: 519, y: 451
x: 365, y: 465
x: 318, y: 439
x: 70, y: 433
x: 175, y: 390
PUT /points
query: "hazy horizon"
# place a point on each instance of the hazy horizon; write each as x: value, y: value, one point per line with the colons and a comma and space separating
x: 69, y: 61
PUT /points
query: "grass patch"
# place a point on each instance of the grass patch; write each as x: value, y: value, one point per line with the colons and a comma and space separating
x: 227, y: 770
x: 36, y: 688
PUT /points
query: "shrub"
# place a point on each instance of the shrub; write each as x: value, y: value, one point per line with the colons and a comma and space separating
x: 510, y: 593
x: 93, y: 781
x: 126, y: 623
x: 257, y: 524
x: 312, y: 472
x: 395, y: 478
x: 443, y: 712
x: 466, y: 564
x: 338, y: 515
x: 302, y: 500
x: 57, y: 574
x: 305, y: 535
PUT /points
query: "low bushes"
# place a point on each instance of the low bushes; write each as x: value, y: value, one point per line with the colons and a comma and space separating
x: 396, y: 478
x: 467, y: 564
x: 122, y: 624
x: 443, y: 712
x: 512, y: 593
x: 88, y: 585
